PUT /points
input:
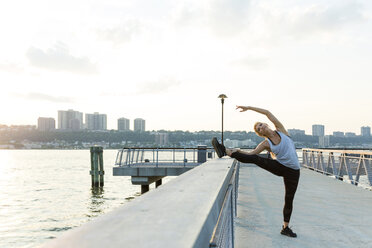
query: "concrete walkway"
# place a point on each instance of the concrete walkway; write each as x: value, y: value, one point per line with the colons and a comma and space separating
x: 327, y: 212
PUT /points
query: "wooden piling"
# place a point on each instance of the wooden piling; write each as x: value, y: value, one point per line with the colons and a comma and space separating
x: 96, y: 165
x: 158, y: 183
x: 145, y: 188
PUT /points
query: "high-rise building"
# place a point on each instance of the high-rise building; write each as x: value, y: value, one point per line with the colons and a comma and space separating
x: 365, y: 131
x: 123, y: 124
x: 70, y: 120
x: 46, y: 124
x: 96, y: 121
x: 139, y: 125
x: 294, y: 131
x: 318, y: 130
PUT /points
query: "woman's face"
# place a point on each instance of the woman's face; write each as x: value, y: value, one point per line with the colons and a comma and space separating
x: 261, y: 128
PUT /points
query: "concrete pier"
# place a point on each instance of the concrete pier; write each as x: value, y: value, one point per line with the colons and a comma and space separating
x: 181, y: 213
x: 186, y: 211
x: 327, y: 212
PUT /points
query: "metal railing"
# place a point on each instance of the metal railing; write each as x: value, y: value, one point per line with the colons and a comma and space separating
x: 339, y: 163
x: 135, y: 156
x: 223, y: 234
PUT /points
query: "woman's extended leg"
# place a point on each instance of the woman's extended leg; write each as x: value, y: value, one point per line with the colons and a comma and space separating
x: 268, y: 164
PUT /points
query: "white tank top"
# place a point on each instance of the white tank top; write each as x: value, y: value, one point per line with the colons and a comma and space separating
x: 285, y: 151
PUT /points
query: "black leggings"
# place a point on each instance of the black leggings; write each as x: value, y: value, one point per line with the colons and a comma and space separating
x: 290, y: 177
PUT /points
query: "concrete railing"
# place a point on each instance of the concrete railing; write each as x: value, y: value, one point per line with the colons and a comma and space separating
x: 182, y: 213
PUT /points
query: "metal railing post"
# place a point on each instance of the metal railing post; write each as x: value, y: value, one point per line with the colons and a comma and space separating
x: 157, y: 156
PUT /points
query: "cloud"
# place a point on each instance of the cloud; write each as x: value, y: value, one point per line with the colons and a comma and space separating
x: 122, y: 33
x: 316, y: 19
x: 59, y: 58
x: 13, y: 68
x: 268, y: 20
x: 228, y: 17
x: 35, y: 96
x: 222, y: 17
x: 301, y: 22
x: 256, y: 63
x: 158, y: 87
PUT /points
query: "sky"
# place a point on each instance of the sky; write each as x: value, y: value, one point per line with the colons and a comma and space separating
x: 308, y: 62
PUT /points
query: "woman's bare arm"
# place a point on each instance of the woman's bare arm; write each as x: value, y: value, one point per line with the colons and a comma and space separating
x: 278, y: 125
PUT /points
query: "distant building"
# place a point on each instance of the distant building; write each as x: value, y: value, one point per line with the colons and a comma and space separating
x: 350, y: 134
x: 21, y: 127
x: 139, y: 125
x: 239, y: 143
x: 294, y: 131
x: 46, y: 124
x: 324, y: 141
x: 162, y: 138
x: 365, y: 131
x: 70, y: 120
x: 318, y: 130
x: 339, y: 134
x: 96, y: 121
x: 123, y: 124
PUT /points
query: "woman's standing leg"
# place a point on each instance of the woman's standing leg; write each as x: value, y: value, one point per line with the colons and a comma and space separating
x: 290, y: 183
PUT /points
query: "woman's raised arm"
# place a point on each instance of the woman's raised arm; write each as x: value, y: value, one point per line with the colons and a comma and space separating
x: 278, y: 125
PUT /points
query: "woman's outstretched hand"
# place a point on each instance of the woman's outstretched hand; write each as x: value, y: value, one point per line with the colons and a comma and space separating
x: 242, y: 108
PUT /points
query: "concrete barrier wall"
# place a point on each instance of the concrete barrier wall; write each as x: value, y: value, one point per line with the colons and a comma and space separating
x: 181, y: 213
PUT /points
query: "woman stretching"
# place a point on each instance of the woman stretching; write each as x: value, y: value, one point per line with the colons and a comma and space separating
x: 285, y: 165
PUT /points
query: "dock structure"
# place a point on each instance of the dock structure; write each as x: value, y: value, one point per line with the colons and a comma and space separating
x: 148, y: 165
x: 223, y: 203
x: 195, y: 209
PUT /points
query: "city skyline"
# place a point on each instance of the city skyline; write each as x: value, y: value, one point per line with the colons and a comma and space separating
x: 167, y: 61
x: 123, y: 124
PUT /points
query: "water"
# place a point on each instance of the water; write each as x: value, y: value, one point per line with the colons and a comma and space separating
x: 46, y: 192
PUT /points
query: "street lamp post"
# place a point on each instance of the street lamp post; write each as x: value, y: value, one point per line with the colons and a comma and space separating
x: 222, y: 96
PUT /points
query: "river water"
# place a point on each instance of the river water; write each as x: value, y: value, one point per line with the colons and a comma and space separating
x: 46, y: 192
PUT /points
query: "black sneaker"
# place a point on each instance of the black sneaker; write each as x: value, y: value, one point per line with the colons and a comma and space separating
x: 220, y: 149
x: 288, y: 232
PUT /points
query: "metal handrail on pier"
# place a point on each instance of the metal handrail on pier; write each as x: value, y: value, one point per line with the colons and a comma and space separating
x: 339, y: 163
x: 223, y: 234
x: 135, y: 156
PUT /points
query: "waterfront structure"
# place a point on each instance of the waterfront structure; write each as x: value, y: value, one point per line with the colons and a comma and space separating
x: 70, y: 120
x: 339, y: 134
x: 139, y: 125
x: 350, y: 134
x: 214, y: 193
x: 161, y: 138
x: 123, y: 124
x: 294, y: 131
x: 46, y: 124
x: 318, y: 130
x: 96, y: 121
x: 365, y: 131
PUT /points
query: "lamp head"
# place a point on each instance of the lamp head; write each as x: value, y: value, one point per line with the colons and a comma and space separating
x: 222, y: 96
